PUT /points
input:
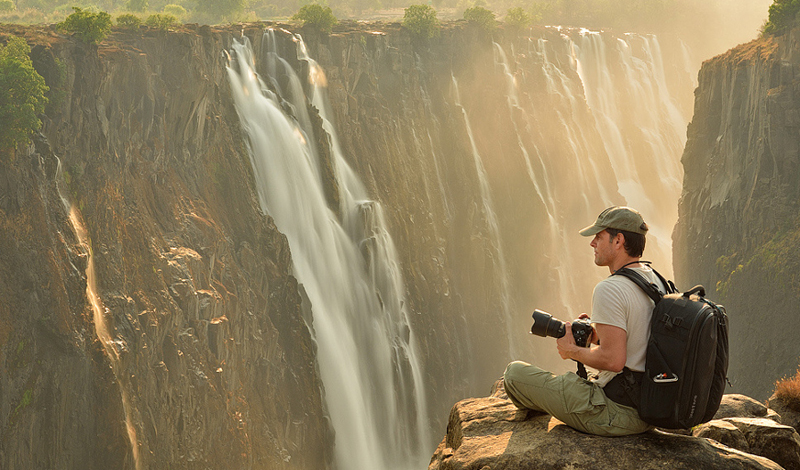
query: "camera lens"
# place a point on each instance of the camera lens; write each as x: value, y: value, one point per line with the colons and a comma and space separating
x: 545, y: 325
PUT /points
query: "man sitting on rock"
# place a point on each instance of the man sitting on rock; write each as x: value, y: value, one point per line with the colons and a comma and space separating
x: 621, y: 314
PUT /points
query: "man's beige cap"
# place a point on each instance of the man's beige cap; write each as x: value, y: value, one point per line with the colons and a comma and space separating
x: 619, y: 218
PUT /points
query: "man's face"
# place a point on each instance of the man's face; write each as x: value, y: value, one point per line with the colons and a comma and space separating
x: 604, y: 252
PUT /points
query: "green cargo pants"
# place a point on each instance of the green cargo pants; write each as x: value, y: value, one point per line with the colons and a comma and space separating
x: 579, y: 403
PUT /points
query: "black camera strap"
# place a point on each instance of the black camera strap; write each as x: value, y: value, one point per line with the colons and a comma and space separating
x: 582, y: 371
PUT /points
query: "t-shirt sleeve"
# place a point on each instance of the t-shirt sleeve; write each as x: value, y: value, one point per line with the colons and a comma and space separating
x: 608, y: 305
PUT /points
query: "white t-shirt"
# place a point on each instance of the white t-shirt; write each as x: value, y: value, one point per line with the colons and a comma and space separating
x: 617, y: 301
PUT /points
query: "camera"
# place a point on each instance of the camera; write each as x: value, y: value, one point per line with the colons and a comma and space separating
x: 545, y: 325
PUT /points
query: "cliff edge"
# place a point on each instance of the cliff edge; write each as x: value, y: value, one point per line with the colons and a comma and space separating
x: 486, y: 433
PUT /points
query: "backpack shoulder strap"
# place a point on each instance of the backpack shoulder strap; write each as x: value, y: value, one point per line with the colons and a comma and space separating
x: 650, y: 289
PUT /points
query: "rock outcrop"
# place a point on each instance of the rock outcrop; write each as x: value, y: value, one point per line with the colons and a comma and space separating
x: 492, y: 433
x: 789, y: 415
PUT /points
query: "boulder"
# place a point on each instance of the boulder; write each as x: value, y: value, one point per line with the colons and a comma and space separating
x: 490, y: 433
x: 789, y: 416
x: 723, y: 432
x: 742, y: 406
x: 769, y: 439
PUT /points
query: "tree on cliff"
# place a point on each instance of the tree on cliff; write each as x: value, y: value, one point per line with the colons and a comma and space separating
x: 480, y: 17
x: 782, y: 15
x: 421, y: 21
x: 89, y: 27
x: 316, y: 16
x: 22, y: 96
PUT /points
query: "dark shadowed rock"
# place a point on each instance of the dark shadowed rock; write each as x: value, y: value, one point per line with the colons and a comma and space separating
x: 490, y: 433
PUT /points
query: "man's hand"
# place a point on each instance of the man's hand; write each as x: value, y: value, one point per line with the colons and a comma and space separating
x: 566, y: 344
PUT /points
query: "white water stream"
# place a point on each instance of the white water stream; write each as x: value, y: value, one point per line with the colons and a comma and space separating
x: 366, y: 349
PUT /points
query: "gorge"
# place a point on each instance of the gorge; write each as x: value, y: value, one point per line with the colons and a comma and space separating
x: 309, y: 246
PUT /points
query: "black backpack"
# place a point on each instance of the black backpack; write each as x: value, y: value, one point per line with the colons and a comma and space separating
x: 687, y: 358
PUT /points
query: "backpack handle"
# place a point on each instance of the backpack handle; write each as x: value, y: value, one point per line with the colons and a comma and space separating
x: 698, y: 289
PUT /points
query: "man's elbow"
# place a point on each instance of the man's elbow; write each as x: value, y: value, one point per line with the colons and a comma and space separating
x: 616, y: 365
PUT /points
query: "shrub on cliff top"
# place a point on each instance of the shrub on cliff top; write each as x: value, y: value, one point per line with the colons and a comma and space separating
x: 7, y: 5
x: 129, y: 21
x: 788, y: 390
x: 517, y: 17
x: 480, y: 17
x: 421, y: 21
x: 782, y: 16
x: 161, y: 21
x: 89, y: 27
x: 175, y: 10
x: 22, y: 96
x: 316, y: 16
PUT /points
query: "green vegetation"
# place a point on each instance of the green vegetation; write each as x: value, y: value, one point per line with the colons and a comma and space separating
x: 7, y: 5
x: 22, y: 96
x: 215, y: 10
x: 480, y: 17
x: 777, y: 259
x: 517, y: 17
x: 89, y: 27
x: 421, y: 21
x: 782, y: 16
x: 129, y: 21
x: 161, y: 21
x: 175, y: 10
x: 316, y: 16
x: 137, y: 5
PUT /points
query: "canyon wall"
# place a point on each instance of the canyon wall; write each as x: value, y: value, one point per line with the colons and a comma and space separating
x: 214, y: 354
x: 737, y: 232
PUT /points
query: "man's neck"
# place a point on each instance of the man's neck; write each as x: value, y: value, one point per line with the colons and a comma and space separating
x: 628, y: 261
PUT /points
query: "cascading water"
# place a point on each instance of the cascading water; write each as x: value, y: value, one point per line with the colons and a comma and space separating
x: 606, y: 131
x: 661, y: 134
x: 366, y: 350
x: 488, y: 212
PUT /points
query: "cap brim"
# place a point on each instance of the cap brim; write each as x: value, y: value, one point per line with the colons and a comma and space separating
x: 591, y: 230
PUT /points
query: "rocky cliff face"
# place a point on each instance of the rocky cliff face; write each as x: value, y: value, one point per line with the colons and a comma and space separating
x: 214, y: 356
x: 738, y: 228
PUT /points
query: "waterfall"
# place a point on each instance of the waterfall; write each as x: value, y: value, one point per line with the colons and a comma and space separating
x: 595, y: 124
x: 488, y: 211
x: 654, y: 115
x: 345, y: 260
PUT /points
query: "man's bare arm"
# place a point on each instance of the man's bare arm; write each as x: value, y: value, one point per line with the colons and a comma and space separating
x: 610, y: 354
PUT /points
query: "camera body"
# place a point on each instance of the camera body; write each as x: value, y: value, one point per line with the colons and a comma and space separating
x: 545, y: 325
